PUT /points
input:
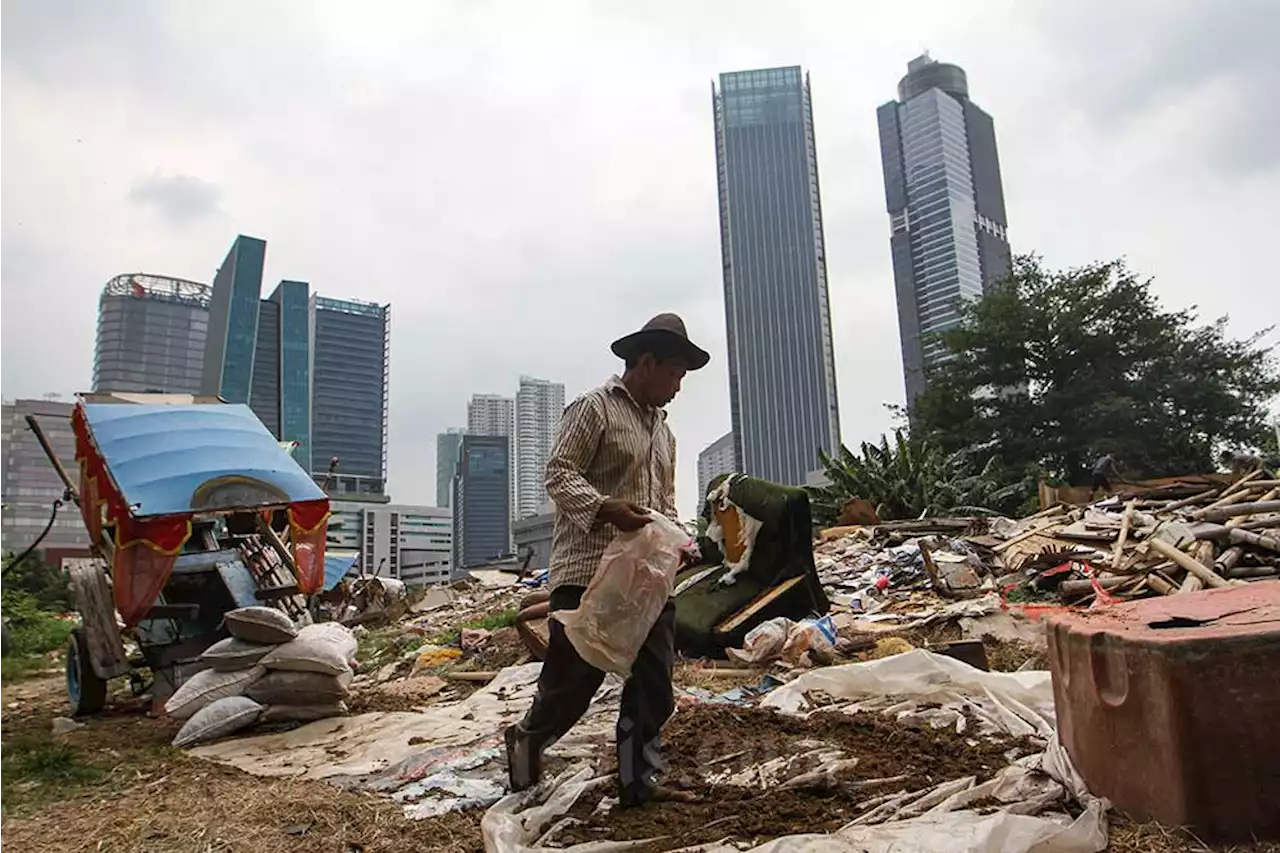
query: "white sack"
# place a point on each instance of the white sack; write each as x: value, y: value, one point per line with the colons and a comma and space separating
x: 208, y: 686
x: 219, y: 718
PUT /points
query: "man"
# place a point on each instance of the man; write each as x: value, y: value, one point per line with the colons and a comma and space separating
x: 614, y: 459
x: 1104, y: 471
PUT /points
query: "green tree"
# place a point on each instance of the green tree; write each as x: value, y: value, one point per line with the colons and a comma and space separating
x: 1053, y: 369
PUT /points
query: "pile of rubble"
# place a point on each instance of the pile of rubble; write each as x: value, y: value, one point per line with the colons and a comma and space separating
x: 1157, y: 541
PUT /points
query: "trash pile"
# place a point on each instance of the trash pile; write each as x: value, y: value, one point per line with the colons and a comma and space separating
x: 1158, y: 541
x: 267, y: 671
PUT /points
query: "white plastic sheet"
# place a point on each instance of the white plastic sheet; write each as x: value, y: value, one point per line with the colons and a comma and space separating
x: 1032, y: 791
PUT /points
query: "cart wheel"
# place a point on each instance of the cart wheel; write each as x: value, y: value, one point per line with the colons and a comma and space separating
x: 86, y: 690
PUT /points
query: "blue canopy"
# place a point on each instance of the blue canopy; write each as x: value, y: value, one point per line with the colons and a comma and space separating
x: 336, y: 567
x: 160, y: 455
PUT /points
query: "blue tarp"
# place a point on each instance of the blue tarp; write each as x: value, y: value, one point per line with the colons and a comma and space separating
x: 159, y: 455
x: 335, y: 569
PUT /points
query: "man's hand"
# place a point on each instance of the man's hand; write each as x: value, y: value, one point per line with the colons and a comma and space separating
x: 623, y: 515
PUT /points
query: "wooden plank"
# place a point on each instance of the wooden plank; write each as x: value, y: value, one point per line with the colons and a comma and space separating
x: 760, y: 602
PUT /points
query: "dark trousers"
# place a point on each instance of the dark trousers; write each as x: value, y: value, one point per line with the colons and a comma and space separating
x: 568, y: 683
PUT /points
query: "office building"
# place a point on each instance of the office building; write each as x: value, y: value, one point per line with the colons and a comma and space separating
x: 31, y: 485
x: 151, y: 335
x: 782, y: 383
x: 948, y: 230
x: 349, y: 388
x: 715, y: 459
x: 227, y: 370
x: 493, y: 414
x: 539, y: 405
x: 411, y: 543
x: 447, y: 446
x: 280, y: 388
x: 482, y: 501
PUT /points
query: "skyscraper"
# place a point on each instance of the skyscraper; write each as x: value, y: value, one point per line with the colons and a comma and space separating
x: 233, y: 322
x: 448, y: 444
x: 349, y: 389
x: 30, y: 484
x: 151, y: 335
x: 280, y: 389
x: 782, y: 383
x: 493, y: 414
x: 948, y: 230
x: 715, y: 459
x: 481, y: 502
x: 539, y: 404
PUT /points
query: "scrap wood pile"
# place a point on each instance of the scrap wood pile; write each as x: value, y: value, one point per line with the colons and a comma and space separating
x: 1178, y: 537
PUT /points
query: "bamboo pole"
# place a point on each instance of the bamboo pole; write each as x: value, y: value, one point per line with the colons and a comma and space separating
x: 1125, y: 522
x: 1225, y: 512
x: 1185, y: 561
x: 1194, y: 499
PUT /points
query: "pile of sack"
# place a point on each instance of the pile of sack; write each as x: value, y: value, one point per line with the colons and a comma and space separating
x: 268, y: 670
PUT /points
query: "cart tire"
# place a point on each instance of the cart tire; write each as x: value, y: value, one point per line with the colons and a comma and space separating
x: 86, y: 690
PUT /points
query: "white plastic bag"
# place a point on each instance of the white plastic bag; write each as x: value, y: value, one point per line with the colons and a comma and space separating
x: 626, y: 595
x: 764, y: 642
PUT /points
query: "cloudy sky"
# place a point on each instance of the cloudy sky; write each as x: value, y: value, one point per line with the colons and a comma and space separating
x: 525, y: 181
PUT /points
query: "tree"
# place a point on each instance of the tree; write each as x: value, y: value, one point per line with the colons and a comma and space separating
x: 911, y: 477
x: 1053, y: 369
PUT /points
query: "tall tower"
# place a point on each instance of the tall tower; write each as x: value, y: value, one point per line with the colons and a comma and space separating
x: 151, y: 335
x: 493, y: 414
x: 448, y: 446
x: 539, y: 404
x: 350, y: 381
x: 948, y: 230
x: 233, y: 322
x: 782, y: 378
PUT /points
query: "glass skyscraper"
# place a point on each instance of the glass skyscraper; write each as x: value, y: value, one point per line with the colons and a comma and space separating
x: 151, y: 335
x: 448, y: 445
x: 948, y: 230
x: 233, y: 322
x: 349, y: 386
x: 280, y: 390
x: 782, y: 379
x: 482, y: 501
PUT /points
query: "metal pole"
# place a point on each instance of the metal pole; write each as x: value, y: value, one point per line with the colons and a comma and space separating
x: 34, y: 426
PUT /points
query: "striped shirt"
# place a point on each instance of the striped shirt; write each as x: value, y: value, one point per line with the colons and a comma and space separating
x: 608, y: 446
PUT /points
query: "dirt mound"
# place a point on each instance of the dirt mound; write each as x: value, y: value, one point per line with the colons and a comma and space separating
x: 718, y: 742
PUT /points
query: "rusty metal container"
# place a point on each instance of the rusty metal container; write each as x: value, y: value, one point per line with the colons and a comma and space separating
x: 1169, y: 707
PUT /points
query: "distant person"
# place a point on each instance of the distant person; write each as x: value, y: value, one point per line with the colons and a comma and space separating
x: 1105, y: 470
x: 1241, y: 464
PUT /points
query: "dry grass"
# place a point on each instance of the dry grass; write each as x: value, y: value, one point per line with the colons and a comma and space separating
x: 1130, y: 836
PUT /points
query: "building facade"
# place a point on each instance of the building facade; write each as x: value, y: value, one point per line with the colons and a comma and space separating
x: 232, y: 339
x: 30, y: 483
x: 482, y: 501
x: 448, y: 444
x: 533, y: 536
x: 715, y: 459
x: 948, y: 228
x: 280, y: 390
x: 411, y: 543
x: 782, y: 380
x: 493, y: 414
x: 350, y: 376
x: 539, y: 405
x: 151, y: 335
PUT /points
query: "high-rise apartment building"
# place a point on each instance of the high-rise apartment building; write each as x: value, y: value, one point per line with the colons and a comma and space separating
x: 493, y: 414
x: 350, y: 378
x: 782, y: 382
x: 31, y: 484
x: 715, y: 459
x: 448, y: 444
x: 539, y: 405
x: 280, y: 390
x: 948, y: 230
x: 412, y: 543
x: 482, y: 501
x: 233, y: 322
x: 151, y: 335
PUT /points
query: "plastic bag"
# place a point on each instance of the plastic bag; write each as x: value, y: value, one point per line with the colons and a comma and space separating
x: 626, y: 595
x: 811, y: 635
x: 764, y: 642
